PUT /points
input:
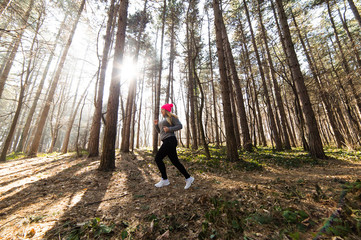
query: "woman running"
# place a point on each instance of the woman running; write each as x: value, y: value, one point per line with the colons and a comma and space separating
x: 166, y: 128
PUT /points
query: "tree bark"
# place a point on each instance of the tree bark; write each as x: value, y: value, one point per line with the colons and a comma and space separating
x: 274, y: 130
x: 140, y: 110
x: 323, y: 94
x: 232, y: 153
x: 23, y: 87
x: 71, y: 121
x: 130, y: 106
x: 315, y: 143
x: 191, y: 51
x: 277, y: 89
x: 107, y: 162
x: 355, y: 11
x: 258, y: 116
x: 212, y: 84
x: 200, y: 112
x: 343, y: 60
x: 5, y: 73
x: 246, y: 139
x: 94, y: 137
x: 158, y: 85
x: 39, y: 130
x: 25, y: 133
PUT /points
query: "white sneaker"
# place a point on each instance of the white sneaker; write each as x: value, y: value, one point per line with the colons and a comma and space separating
x: 189, y: 182
x: 162, y: 183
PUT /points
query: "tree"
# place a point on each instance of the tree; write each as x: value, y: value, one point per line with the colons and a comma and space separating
x: 232, y: 153
x: 107, y: 161
x: 247, y: 143
x: 314, y: 139
x: 130, y: 105
x: 212, y: 84
x: 355, y: 11
x: 275, y: 134
x: 192, y: 54
x: 44, y: 114
x: 23, y: 87
x: 158, y: 83
x: 277, y: 89
x: 93, y: 146
x: 323, y: 94
x: 5, y: 73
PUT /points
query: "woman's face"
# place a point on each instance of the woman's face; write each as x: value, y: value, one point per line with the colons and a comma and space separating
x: 163, y: 112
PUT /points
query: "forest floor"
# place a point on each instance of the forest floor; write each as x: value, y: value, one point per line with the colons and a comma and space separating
x: 272, y: 195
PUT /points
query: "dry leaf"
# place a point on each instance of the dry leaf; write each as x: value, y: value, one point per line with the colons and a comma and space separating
x: 31, y: 233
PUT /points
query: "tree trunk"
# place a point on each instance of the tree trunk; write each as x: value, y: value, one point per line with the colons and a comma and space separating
x: 39, y: 130
x: 191, y: 49
x: 79, y: 127
x: 24, y: 135
x: 107, y: 161
x: 57, y: 126
x: 354, y: 48
x: 201, y: 129
x: 314, y: 139
x: 273, y: 126
x: 158, y: 85
x: 277, y: 89
x: 5, y: 73
x: 130, y: 106
x: 246, y: 139
x: 140, y: 109
x: 94, y: 136
x: 344, y: 61
x: 232, y: 153
x: 212, y: 83
x: 4, y: 5
x: 323, y: 94
x: 23, y: 87
x: 71, y: 121
x: 249, y: 67
x: 355, y: 11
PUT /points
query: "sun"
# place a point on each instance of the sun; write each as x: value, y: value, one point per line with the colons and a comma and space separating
x: 130, y: 70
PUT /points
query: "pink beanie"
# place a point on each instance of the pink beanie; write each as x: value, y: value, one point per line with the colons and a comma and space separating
x: 167, y: 107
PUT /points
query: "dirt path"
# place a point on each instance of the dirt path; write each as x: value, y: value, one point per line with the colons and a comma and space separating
x: 41, y: 198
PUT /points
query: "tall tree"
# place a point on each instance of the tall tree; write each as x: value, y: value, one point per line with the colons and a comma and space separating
x: 158, y: 84
x: 44, y: 114
x: 277, y: 89
x: 355, y: 11
x: 274, y: 131
x: 232, y: 153
x: 130, y: 105
x: 5, y: 73
x: 254, y: 88
x: 24, y: 134
x: 214, y: 97
x: 192, y: 54
x: 343, y: 59
x: 71, y: 120
x: 246, y: 138
x: 323, y: 94
x: 314, y: 139
x: 107, y: 161
x: 23, y: 88
x: 93, y: 146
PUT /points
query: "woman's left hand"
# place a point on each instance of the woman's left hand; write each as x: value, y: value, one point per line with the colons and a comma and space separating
x: 166, y: 129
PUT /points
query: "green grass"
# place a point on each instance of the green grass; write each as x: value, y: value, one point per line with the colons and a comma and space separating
x: 15, y: 156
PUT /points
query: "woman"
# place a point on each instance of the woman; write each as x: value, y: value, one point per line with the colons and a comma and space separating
x: 166, y: 128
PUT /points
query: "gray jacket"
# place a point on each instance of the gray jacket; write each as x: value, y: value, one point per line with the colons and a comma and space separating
x: 176, y: 125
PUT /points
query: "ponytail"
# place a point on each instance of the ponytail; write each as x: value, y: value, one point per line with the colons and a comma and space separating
x: 169, y: 117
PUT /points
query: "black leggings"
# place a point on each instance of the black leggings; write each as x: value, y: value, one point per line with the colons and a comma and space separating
x: 168, y: 148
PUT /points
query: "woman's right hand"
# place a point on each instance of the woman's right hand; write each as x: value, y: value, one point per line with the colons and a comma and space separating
x: 156, y: 122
